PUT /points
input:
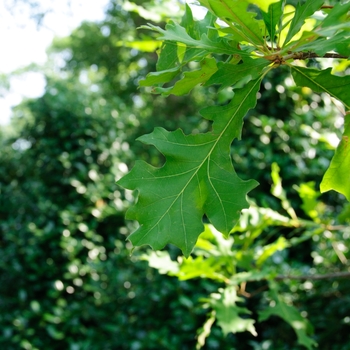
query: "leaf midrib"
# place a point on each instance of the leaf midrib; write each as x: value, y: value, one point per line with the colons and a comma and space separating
x: 202, y: 163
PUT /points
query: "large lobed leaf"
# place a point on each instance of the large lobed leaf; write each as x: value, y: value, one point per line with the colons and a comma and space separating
x: 197, y: 179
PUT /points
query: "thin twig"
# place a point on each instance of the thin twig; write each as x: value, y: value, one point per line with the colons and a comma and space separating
x: 314, y: 277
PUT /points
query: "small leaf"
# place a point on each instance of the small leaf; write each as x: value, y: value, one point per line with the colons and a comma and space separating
x: 323, y: 81
x: 273, y: 17
x: 337, y: 176
x: 289, y: 314
x: 301, y: 13
x: 228, y: 312
x: 337, y: 19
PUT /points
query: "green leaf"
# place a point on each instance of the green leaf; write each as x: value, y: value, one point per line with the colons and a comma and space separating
x: 290, y: 315
x: 229, y: 74
x: 235, y: 11
x: 264, y: 4
x: 161, y: 77
x: 273, y: 17
x: 193, y: 78
x: 211, y: 267
x: 228, y: 312
x: 323, y: 81
x: 320, y: 45
x: 337, y: 19
x: 167, y: 57
x: 161, y: 261
x: 309, y: 196
x: 337, y: 176
x: 301, y: 13
x: 197, y: 179
x: 176, y: 33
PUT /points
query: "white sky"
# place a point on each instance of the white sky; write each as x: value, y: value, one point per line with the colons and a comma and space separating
x: 23, y: 42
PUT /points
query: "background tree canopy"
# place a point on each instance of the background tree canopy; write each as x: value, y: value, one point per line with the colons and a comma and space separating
x: 68, y: 277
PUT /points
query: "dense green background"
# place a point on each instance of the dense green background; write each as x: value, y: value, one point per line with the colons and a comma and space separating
x: 67, y: 276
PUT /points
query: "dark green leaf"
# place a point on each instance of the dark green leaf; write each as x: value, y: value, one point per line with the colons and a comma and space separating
x: 197, y: 179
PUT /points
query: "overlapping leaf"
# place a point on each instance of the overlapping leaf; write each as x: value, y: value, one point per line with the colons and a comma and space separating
x: 174, y: 32
x: 301, y: 13
x: 235, y: 12
x: 273, y: 17
x: 197, y: 179
x: 229, y: 74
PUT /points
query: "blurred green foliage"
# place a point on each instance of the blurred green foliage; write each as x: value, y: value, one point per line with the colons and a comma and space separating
x: 67, y: 276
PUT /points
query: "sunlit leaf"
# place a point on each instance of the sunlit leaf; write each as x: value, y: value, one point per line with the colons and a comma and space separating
x: 289, y: 314
x: 228, y: 312
x: 337, y: 176
x: 301, y: 13
x: 272, y: 17
x: 235, y: 11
